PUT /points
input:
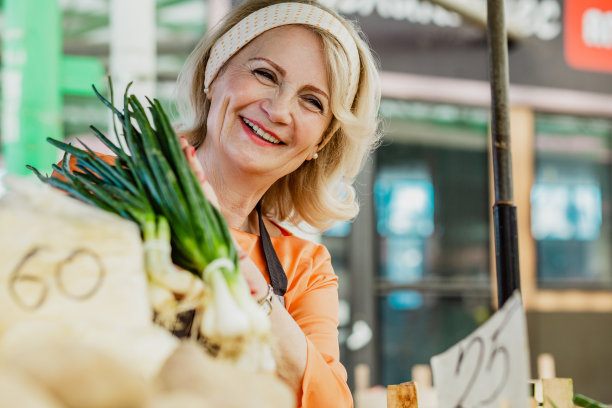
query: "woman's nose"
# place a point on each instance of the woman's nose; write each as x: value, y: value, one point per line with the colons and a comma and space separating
x: 278, y: 108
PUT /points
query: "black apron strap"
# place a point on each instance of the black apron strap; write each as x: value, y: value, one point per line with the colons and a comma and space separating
x: 278, y: 278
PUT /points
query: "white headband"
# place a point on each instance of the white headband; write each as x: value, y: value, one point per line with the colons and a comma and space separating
x: 278, y: 15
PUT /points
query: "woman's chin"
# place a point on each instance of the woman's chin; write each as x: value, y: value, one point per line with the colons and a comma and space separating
x: 253, y: 164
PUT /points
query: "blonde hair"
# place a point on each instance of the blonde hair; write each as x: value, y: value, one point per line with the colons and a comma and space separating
x: 320, y: 191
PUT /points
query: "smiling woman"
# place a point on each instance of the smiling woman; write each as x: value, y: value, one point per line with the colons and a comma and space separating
x: 283, y: 98
x: 277, y: 108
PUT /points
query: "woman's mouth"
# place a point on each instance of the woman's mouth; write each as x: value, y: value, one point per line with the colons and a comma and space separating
x: 260, y: 132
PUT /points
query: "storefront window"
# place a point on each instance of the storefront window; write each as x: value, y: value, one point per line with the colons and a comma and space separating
x: 432, y: 211
x: 335, y: 240
x: 418, y: 325
x: 570, y: 202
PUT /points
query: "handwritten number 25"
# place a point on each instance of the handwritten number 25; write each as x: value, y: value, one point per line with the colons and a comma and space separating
x: 497, y: 351
x: 468, y: 388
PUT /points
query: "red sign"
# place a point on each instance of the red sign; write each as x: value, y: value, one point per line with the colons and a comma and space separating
x: 588, y: 34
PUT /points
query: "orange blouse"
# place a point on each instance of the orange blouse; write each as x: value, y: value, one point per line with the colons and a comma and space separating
x: 312, y: 301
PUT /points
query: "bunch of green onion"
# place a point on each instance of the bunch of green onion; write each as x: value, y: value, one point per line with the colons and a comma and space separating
x: 190, y: 258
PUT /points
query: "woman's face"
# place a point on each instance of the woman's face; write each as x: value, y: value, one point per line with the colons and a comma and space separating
x: 270, y: 104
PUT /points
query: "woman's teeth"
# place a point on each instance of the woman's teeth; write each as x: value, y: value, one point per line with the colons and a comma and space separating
x: 259, y: 132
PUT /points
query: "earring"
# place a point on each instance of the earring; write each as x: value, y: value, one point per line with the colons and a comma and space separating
x: 315, y: 156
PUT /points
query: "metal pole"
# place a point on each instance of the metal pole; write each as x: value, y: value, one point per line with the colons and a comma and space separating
x: 362, y: 264
x: 504, y: 211
x: 31, y: 99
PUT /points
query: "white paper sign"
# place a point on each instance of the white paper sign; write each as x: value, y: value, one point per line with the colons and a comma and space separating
x: 490, y: 367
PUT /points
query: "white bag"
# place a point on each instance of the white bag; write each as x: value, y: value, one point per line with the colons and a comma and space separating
x: 70, y: 269
x: 61, y: 259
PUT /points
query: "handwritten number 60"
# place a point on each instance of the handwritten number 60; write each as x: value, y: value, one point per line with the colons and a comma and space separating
x: 19, y: 276
x: 59, y: 274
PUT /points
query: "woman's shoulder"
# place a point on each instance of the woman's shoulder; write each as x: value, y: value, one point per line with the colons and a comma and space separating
x: 283, y: 238
x: 302, y: 247
x: 108, y: 158
x: 72, y: 163
x: 306, y: 262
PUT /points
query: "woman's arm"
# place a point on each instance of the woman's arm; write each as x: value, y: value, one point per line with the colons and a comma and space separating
x: 314, y: 307
x: 306, y: 331
x: 290, y: 341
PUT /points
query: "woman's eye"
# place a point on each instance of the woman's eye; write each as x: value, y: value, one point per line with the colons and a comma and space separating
x: 264, y: 73
x: 314, y: 102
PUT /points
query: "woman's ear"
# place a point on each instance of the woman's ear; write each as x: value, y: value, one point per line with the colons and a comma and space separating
x: 317, y: 149
x: 331, y: 130
x: 326, y: 139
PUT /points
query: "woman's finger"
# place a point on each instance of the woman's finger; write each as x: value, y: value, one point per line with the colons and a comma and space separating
x: 189, y: 152
x: 253, y: 276
x: 196, y: 166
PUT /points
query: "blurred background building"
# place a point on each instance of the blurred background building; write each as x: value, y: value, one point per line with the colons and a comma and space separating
x: 417, y: 266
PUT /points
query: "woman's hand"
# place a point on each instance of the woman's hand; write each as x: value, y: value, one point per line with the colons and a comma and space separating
x: 256, y: 281
x: 196, y: 166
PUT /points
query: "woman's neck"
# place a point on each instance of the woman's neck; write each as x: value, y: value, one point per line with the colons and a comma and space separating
x: 237, y: 195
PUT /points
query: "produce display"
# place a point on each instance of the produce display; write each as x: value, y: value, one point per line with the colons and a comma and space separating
x: 45, y: 377
x: 92, y: 288
x: 152, y: 184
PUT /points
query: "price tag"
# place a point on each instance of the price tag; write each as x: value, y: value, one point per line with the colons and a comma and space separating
x: 66, y: 261
x: 490, y: 367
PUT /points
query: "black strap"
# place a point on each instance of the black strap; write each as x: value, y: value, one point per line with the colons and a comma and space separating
x: 278, y: 278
